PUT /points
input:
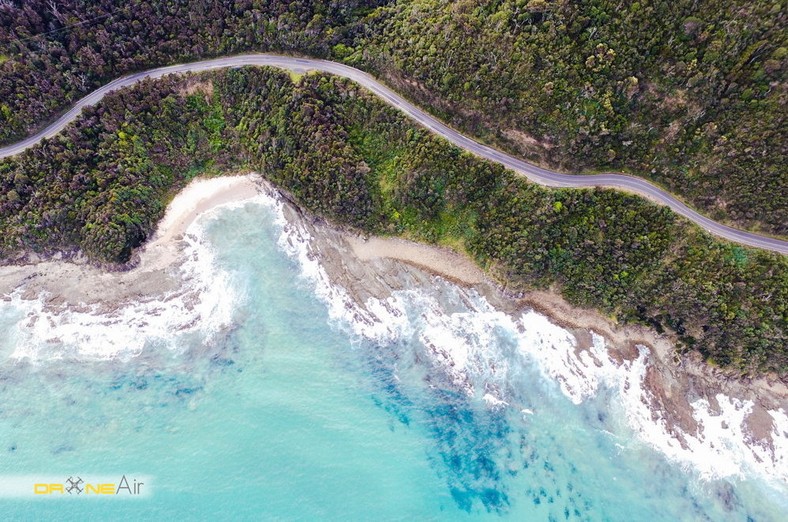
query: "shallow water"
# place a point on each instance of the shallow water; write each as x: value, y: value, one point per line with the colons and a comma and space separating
x: 278, y: 405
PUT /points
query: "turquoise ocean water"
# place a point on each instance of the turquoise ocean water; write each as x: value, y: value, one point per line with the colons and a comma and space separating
x: 288, y: 414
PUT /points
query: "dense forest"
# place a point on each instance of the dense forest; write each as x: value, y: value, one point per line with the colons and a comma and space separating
x: 102, y: 185
x: 52, y: 53
x: 688, y: 93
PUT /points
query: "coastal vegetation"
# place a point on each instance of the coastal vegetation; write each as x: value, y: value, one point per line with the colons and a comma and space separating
x: 690, y: 94
x: 102, y: 185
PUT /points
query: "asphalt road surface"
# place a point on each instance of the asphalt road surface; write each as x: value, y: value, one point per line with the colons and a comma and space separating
x: 532, y: 172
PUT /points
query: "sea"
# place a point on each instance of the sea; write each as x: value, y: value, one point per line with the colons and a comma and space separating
x: 266, y: 393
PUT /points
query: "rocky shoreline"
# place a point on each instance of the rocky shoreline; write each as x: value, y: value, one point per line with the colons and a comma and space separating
x: 374, y: 268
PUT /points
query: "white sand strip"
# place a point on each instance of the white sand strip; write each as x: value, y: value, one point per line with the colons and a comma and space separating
x: 200, y: 196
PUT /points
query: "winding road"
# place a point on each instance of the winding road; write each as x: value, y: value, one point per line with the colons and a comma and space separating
x: 532, y: 172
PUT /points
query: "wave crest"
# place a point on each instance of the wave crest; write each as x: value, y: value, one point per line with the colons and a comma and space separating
x: 481, y: 351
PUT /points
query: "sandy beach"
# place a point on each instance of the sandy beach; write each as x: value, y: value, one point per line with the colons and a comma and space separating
x: 443, y: 261
x: 199, y: 197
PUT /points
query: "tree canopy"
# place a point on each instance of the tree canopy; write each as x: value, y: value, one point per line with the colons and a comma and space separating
x: 103, y: 184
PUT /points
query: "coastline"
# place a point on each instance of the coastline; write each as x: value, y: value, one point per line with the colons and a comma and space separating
x: 442, y: 261
x: 687, y: 409
x: 375, y: 267
x: 83, y: 285
x: 674, y: 380
x: 197, y: 198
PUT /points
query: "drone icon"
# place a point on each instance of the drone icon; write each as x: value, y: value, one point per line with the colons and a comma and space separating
x: 74, y: 485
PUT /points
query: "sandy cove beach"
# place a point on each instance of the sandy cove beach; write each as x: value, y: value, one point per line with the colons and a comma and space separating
x: 377, y: 266
x: 198, y: 197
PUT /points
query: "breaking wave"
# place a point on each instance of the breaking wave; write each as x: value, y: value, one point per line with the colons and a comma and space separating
x: 480, y: 351
x: 465, y: 343
x: 196, y: 313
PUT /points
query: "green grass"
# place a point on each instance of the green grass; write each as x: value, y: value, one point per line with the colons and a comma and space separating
x: 382, y: 158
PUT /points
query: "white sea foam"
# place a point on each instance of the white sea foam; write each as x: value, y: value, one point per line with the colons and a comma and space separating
x: 296, y: 241
x: 720, y: 448
x: 472, y: 347
x: 723, y: 445
x: 204, y: 306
